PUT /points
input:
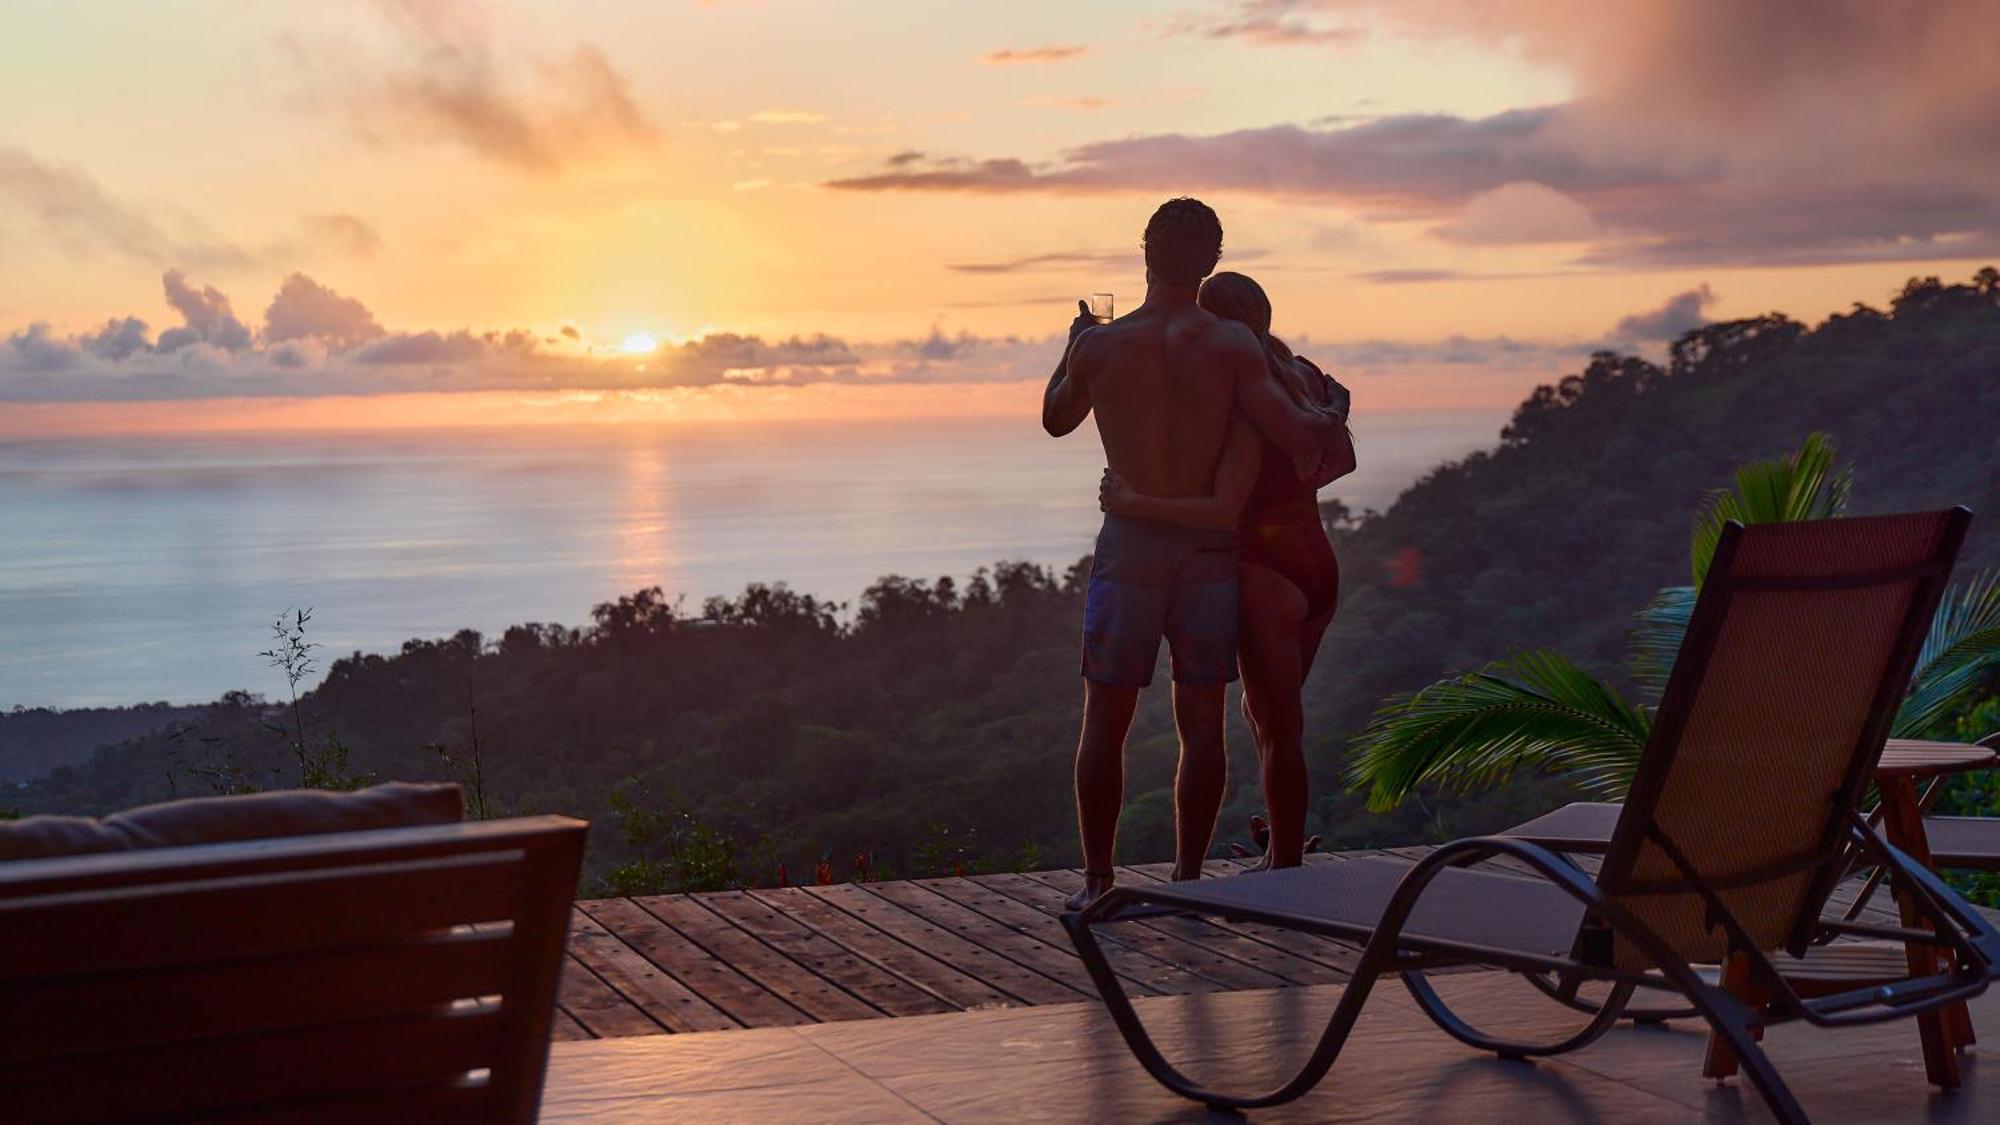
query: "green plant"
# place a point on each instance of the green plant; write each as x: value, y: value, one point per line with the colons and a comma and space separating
x: 1532, y: 709
x: 224, y: 778
x: 676, y: 853
x: 322, y: 765
x: 943, y: 852
x: 1028, y: 857
x: 1539, y: 710
x: 1975, y: 793
x: 292, y: 654
x: 469, y: 769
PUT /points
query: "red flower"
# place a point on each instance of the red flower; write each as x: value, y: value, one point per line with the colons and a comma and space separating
x: 1406, y: 568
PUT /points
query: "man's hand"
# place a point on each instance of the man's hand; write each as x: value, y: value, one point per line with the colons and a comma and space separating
x: 1083, y: 320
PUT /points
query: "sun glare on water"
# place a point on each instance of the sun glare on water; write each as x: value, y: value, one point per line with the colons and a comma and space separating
x: 638, y: 343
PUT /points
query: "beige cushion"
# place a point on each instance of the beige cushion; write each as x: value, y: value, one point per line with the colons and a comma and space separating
x: 215, y: 820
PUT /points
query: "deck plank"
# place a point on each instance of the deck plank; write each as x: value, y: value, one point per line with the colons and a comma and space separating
x: 1058, y: 963
x: 1273, y: 967
x: 1022, y: 984
x: 642, y: 981
x: 774, y: 924
x: 564, y: 1028
x: 1164, y: 944
x: 1142, y: 973
x: 940, y: 979
x: 720, y: 990
x: 602, y: 1010
x: 779, y: 975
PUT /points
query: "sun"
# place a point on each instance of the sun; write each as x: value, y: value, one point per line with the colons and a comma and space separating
x: 638, y: 343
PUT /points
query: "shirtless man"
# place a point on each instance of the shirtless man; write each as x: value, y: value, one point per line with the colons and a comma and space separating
x: 1164, y: 381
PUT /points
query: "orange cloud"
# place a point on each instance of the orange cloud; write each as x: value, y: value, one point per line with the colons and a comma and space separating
x: 455, y: 85
x: 1010, y: 56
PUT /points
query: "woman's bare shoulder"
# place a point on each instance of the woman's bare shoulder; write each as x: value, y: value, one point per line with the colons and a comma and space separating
x: 1229, y: 337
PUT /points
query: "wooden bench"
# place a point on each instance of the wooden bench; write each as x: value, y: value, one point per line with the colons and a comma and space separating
x: 399, y: 974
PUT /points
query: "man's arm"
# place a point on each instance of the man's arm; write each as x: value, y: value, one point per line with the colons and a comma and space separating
x: 1067, y: 401
x: 1299, y: 433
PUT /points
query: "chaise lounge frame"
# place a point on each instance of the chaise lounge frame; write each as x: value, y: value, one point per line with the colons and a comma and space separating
x: 1682, y: 882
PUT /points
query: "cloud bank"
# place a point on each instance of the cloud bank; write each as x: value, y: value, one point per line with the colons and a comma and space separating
x: 314, y: 341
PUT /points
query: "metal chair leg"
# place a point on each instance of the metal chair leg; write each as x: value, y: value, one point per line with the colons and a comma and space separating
x: 1604, y: 1018
x: 1563, y: 990
x: 1339, y: 1025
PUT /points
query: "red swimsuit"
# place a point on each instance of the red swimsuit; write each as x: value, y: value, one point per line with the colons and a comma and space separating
x: 1280, y: 529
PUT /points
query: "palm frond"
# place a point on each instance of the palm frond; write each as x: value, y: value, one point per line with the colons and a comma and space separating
x: 1655, y: 640
x: 1532, y: 710
x: 1802, y: 486
x: 1960, y: 652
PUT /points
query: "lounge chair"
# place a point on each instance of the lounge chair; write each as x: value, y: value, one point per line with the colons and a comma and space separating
x: 394, y: 974
x: 1739, y: 825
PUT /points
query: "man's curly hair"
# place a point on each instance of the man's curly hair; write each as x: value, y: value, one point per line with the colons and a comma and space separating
x: 1183, y: 241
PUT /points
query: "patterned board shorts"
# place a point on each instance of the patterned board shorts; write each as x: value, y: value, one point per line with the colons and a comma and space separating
x: 1149, y: 580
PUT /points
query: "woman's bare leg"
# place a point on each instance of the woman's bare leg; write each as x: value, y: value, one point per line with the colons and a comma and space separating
x: 1272, y: 619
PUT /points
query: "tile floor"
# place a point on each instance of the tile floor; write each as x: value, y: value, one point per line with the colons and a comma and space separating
x: 1066, y: 1063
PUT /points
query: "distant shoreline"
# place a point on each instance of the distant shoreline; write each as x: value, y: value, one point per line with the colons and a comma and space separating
x: 149, y: 569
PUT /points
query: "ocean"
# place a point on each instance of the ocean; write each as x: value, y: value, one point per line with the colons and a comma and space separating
x: 150, y: 568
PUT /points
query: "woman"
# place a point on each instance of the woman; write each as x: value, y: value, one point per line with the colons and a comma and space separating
x: 1288, y: 578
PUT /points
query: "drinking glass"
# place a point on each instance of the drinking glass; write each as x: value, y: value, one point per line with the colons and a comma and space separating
x: 1100, y: 307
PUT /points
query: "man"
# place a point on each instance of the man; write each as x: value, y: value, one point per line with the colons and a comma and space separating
x: 1164, y: 381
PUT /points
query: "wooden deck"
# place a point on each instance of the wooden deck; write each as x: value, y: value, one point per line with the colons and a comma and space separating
x: 803, y: 955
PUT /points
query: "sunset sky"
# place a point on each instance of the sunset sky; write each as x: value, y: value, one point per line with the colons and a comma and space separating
x: 361, y: 212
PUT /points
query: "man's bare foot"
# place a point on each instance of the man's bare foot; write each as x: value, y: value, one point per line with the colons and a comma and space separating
x: 1094, y: 885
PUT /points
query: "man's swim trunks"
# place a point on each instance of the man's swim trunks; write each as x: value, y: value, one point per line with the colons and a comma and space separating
x: 1151, y: 580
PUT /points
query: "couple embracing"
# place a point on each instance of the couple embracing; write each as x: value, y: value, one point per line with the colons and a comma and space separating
x: 1217, y: 438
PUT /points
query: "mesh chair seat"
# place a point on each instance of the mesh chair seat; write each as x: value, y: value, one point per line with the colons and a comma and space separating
x: 1586, y: 826
x: 1964, y: 841
x: 1462, y: 907
x: 1583, y: 826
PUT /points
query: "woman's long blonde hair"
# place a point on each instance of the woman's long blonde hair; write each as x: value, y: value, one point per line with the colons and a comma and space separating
x: 1233, y: 296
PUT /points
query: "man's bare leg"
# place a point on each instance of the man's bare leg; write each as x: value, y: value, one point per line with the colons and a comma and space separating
x: 1202, y: 776
x: 1100, y: 781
